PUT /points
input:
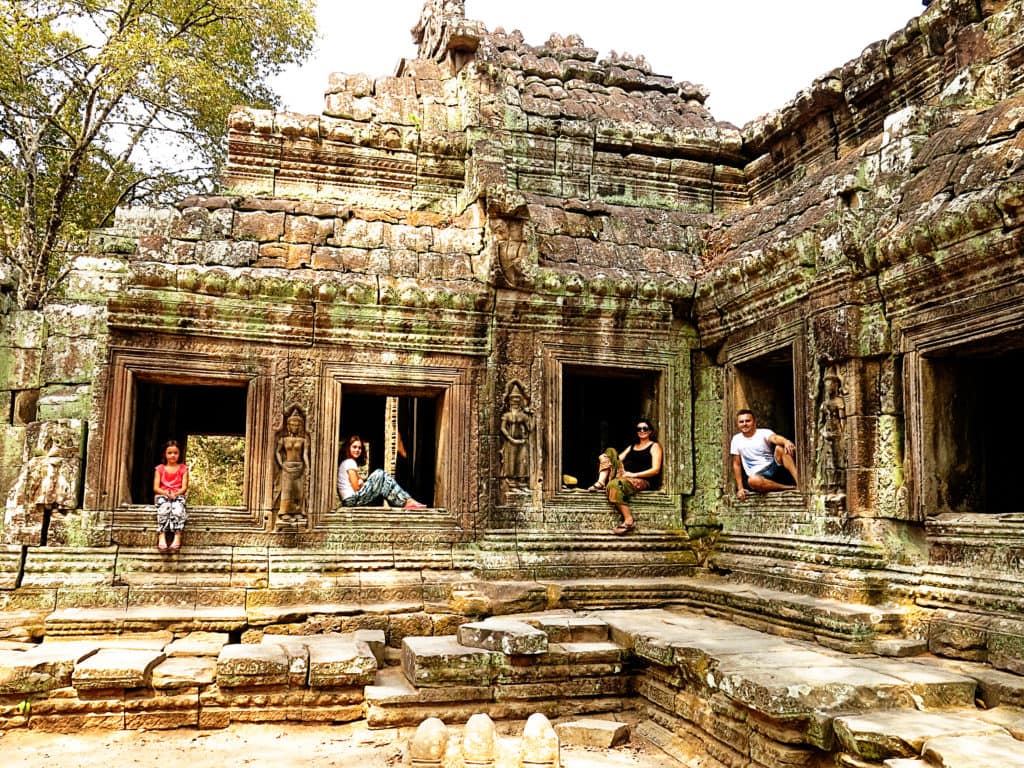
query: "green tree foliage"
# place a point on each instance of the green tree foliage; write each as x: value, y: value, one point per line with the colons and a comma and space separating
x: 108, y: 102
x: 216, y: 469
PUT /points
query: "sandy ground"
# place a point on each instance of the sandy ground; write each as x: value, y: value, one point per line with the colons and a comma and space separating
x: 281, y: 746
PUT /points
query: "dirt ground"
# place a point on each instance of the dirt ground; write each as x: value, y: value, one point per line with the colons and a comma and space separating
x: 281, y: 746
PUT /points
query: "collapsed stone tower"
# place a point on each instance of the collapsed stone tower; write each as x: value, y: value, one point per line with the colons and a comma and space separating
x: 508, y: 244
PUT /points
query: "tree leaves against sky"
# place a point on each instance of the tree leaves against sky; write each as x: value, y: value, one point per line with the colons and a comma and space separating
x: 104, y: 103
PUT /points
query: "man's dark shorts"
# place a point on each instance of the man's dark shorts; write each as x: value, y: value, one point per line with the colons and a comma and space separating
x: 774, y: 472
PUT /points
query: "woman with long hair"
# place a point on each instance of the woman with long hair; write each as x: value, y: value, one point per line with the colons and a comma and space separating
x: 356, y: 492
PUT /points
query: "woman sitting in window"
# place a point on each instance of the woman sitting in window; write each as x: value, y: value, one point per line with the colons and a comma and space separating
x: 637, y: 468
x: 356, y: 492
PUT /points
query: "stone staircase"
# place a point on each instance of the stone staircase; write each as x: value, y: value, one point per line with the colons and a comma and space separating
x: 558, y: 664
x: 710, y: 693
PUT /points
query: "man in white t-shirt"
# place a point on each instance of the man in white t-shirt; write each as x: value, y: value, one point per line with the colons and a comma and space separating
x: 762, y: 461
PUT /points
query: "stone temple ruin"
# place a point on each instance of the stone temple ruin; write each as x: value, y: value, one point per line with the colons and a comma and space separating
x: 489, y: 265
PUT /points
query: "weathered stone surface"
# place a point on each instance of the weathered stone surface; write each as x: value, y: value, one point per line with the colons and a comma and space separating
x: 115, y: 668
x: 41, y: 668
x: 438, y: 661
x: 198, y: 644
x: 252, y: 665
x: 903, y: 733
x: 600, y: 734
x: 184, y: 672
x: 505, y: 635
x: 974, y: 751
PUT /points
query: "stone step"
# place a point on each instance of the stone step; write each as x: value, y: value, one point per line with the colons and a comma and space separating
x: 851, y: 627
x: 149, y: 680
x: 440, y: 661
x: 709, y: 679
x: 904, y: 733
x: 543, y: 555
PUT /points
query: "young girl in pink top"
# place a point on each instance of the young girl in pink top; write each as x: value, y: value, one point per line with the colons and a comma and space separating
x: 170, y: 484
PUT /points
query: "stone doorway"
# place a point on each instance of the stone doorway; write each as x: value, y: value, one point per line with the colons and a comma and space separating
x: 178, y: 412
x: 600, y: 407
x: 764, y: 384
x: 967, y: 424
x: 401, y: 432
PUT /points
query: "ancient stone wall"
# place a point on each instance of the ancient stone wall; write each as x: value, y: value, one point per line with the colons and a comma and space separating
x: 539, y: 245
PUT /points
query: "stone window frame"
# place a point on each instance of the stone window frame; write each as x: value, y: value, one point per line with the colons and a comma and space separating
x: 174, y: 367
x: 746, y: 352
x: 454, y: 480
x: 929, y: 335
x: 674, y: 420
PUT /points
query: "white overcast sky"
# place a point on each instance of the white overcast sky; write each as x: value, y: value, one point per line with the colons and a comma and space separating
x: 753, y: 55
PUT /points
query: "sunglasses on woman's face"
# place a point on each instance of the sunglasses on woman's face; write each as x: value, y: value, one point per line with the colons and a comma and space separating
x: 643, y: 429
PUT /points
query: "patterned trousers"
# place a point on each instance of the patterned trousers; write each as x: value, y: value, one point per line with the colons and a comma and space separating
x: 620, y: 489
x: 170, y: 514
x: 378, y: 485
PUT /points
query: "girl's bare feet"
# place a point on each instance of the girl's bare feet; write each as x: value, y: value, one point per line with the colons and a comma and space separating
x: 413, y: 504
x: 176, y: 544
x: 161, y: 542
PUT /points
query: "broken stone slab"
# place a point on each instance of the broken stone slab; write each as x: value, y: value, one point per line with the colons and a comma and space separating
x: 341, y: 663
x: 252, y: 665
x: 184, y: 672
x: 198, y: 644
x: 899, y: 647
x: 1000, y: 750
x: 43, y: 668
x: 602, y: 734
x: 995, y: 688
x: 116, y: 668
x: 506, y: 635
x: 438, y: 661
x: 375, y: 640
x: 297, y: 649
x: 931, y: 687
x: 903, y: 732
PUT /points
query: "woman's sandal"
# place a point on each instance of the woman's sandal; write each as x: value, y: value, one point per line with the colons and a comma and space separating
x: 624, y: 528
x: 596, y: 487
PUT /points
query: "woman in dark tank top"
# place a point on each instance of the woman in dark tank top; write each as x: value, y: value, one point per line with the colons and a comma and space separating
x: 637, y: 468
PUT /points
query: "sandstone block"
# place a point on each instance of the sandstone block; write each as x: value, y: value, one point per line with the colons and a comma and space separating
x: 116, y: 668
x: 439, y: 661
x: 341, y: 662
x: 252, y: 665
x: 43, y: 668
x: 903, y: 732
x: 974, y: 751
x: 505, y: 635
x: 600, y: 734
x: 262, y: 226
x: 184, y: 672
x: 198, y: 644
x: 162, y: 713
x: 20, y: 368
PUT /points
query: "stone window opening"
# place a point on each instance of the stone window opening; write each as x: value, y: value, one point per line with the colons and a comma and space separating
x: 765, y: 384
x: 173, y: 411
x: 400, y: 431
x: 967, y: 465
x: 600, y: 407
x: 441, y: 392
